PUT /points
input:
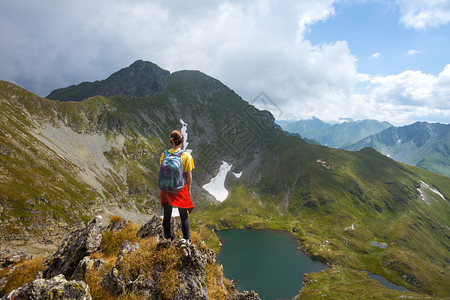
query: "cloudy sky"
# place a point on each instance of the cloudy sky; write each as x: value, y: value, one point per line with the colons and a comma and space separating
x: 381, y: 59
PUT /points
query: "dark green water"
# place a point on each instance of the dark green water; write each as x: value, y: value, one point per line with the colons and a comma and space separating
x: 266, y: 261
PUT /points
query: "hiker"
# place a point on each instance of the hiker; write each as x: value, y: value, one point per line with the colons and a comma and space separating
x: 175, y: 179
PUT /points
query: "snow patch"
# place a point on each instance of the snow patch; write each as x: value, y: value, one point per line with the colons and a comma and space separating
x: 216, y: 186
x: 238, y: 175
x: 185, y: 134
x: 422, y: 196
x: 432, y: 189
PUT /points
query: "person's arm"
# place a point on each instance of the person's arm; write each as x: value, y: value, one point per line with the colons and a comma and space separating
x: 189, y: 180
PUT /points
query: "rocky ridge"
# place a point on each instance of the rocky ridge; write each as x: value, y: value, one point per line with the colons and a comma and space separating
x: 69, y: 270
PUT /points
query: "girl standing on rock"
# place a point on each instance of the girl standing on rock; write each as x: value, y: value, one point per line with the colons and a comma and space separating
x: 175, y: 179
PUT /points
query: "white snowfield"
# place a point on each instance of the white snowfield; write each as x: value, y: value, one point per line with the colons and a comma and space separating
x: 185, y: 134
x: 216, y: 186
x: 433, y: 190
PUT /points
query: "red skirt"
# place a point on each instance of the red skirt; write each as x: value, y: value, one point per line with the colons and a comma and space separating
x: 180, y: 199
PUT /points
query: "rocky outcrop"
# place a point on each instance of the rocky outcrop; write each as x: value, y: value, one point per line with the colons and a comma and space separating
x: 154, y: 228
x: 113, y: 281
x: 192, y: 273
x: 56, y: 288
x: 85, y: 265
x: 246, y: 295
x: 74, y: 248
x: 148, y: 281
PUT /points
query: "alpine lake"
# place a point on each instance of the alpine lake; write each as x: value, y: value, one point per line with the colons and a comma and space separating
x: 269, y: 262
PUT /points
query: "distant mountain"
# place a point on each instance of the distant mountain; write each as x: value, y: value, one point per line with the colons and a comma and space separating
x: 335, y: 135
x: 422, y: 144
x: 141, y: 79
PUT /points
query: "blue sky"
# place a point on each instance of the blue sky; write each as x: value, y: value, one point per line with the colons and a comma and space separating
x: 332, y: 59
x: 374, y: 27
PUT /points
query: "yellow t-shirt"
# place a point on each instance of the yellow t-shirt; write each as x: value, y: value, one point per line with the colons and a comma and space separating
x: 186, y: 160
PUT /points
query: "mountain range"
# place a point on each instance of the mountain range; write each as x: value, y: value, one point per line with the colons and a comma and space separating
x: 335, y: 135
x: 421, y: 144
x: 95, y: 148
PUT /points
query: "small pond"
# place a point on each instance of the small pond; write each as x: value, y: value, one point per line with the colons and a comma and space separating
x: 266, y: 261
x: 387, y: 283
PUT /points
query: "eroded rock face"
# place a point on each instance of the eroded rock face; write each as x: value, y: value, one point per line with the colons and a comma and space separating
x: 74, y: 248
x: 56, y: 288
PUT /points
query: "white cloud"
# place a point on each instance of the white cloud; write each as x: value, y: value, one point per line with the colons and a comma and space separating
x: 407, y: 97
x: 375, y: 55
x: 412, y: 52
x: 423, y: 14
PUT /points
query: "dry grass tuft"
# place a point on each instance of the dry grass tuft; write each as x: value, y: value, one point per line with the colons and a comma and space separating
x: 146, y: 258
x: 170, y: 260
x: 215, y: 282
x: 112, y: 240
x: 93, y: 278
x: 24, y: 272
x: 139, y: 262
x: 198, y: 242
x: 115, y: 219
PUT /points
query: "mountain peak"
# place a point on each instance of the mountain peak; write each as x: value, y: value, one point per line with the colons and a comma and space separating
x: 140, y: 79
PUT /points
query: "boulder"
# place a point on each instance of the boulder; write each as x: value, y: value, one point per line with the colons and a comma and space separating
x: 56, y: 288
x: 85, y: 265
x: 74, y: 248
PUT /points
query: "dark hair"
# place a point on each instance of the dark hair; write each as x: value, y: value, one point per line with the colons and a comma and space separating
x: 176, y: 138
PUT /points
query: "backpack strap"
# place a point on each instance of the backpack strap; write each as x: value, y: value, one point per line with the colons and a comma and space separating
x: 178, y: 153
x: 166, y: 153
